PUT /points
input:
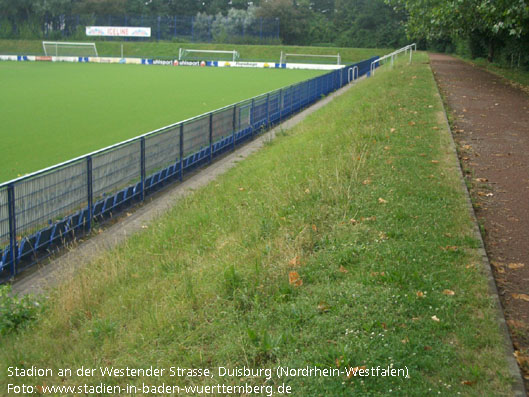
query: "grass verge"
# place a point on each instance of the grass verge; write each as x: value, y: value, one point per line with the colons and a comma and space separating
x: 346, y: 242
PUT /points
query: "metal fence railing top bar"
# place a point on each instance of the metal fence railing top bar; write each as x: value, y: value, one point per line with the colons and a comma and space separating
x: 393, y: 54
x: 41, y: 211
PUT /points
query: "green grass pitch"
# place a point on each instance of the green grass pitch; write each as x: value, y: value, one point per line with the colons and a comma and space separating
x: 54, y: 112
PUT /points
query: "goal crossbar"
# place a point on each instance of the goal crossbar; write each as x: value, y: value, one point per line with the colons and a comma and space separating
x: 284, y: 56
x: 57, y: 44
x: 183, y: 51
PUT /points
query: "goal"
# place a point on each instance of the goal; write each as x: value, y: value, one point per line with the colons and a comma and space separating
x: 186, y: 54
x: 62, y: 48
x: 310, y: 58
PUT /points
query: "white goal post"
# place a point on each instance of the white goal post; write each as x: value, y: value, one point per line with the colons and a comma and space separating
x: 285, y: 56
x: 62, y: 48
x: 184, y: 52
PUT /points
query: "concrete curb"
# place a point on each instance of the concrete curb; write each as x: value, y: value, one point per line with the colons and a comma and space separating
x: 518, y: 388
x: 47, y: 275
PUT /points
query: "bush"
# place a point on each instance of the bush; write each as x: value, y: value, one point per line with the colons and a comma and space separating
x: 16, y: 312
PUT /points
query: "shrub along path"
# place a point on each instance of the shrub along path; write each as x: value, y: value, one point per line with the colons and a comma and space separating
x: 490, y: 121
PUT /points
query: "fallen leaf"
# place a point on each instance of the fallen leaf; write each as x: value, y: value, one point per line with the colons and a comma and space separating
x: 392, y: 130
x: 515, y: 265
x: 307, y: 191
x: 435, y: 161
x: 523, y: 297
x: 435, y: 318
x: 420, y: 294
x: 323, y: 307
x: 449, y: 292
x: 386, y: 147
x: 366, y: 181
x: 352, y: 221
x: 294, y: 279
x: 144, y: 226
x: 481, y: 180
x: 382, y: 201
x: 343, y: 269
x: 449, y: 248
x: 412, y: 123
x: 294, y: 261
x: 427, y: 347
x: 521, y: 358
x: 467, y: 382
x: 405, y: 340
x: 314, y: 228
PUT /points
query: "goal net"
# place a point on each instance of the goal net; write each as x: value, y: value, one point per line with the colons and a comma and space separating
x: 310, y: 58
x: 186, y: 54
x: 61, y: 48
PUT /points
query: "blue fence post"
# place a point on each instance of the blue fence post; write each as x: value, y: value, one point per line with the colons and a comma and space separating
x: 268, y: 110
x: 280, y: 105
x: 142, y: 168
x: 181, y: 151
x: 89, y: 192
x: 251, y: 115
x: 234, y: 124
x: 210, y: 137
x: 12, y: 226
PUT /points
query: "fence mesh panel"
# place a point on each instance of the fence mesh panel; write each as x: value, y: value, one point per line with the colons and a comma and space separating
x: 162, y: 149
x: 196, y: 135
x: 242, y: 115
x: 4, y: 218
x: 222, y: 123
x: 48, y: 197
x: 115, y: 169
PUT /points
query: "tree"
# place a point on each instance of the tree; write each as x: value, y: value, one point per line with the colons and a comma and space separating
x: 491, y: 20
x: 292, y: 17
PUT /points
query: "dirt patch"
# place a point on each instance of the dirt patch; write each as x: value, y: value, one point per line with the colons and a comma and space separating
x: 490, y: 123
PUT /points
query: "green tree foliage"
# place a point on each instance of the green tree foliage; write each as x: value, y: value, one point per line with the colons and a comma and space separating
x: 354, y: 23
x: 480, y: 23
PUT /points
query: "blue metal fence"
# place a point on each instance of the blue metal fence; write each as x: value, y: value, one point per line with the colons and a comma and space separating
x: 42, y: 211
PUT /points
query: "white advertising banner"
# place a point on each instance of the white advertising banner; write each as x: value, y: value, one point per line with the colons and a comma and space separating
x: 313, y: 66
x: 118, y: 31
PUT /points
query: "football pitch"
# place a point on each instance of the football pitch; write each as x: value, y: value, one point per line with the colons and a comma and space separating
x: 52, y: 112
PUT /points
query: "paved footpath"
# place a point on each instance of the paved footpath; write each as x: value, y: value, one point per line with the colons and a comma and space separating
x: 490, y: 123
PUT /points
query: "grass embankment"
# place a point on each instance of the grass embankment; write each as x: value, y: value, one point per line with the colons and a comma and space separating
x: 79, y: 108
x: 363, y: 202
x: 164, y: 49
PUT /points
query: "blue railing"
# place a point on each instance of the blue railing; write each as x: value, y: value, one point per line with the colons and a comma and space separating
x: 42, y: 211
